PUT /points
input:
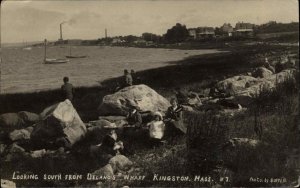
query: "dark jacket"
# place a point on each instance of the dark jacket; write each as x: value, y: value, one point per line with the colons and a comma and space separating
x: 108, y: 144
x: 134, y: 119
x: 174, y: 114
x: 176, y: 119
x: 127, y: 80
x: 67, y: 91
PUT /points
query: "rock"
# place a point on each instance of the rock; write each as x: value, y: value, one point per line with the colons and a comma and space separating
x: 243, y: 141
x: 282, y: 76
x: 60, y: 120
x: 106, y: 171
x: 2, y: 148
x: 38, y: 153
x: 246, y: 88
x: 236, y: 83
x: 47, y: 111
x: 120, y: 121
x: 7, y: 184
x: 120, y: 163
x: 140, y: 95
x: 29, y: 118
x: 21, y: 134
x: 15, y: 152
x: 261, y: 72
x: 113, y: 118
x: 100, y: 123
x: 11, y: 121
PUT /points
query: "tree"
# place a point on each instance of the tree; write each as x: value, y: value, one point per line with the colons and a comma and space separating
x: 150, y: 37
x: 177, y: 33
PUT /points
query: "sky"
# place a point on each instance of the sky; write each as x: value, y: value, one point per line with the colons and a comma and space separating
x: 35, y: 20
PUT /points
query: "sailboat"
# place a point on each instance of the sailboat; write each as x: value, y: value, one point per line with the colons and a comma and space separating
x: 72, y: 56
x: 52, y: 60
x: 27, y: 47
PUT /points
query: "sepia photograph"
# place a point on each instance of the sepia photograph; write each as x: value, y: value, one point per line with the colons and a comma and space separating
x: 149, y: 93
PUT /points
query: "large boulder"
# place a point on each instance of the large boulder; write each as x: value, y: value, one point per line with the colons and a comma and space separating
x: 246, y: 88
x: 11, y: 121
x: 282, y: 76
x: 120, y: 163
x: 236, y: 83
x: 261, y: 72
x: 106, y: 171
x: 29, y: 118
x: 60, y: 120
x: 7, y: 184
x: 21, y: 134
x: 140, y: 95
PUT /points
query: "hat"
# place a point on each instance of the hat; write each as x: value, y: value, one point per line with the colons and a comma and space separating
x: 158, y: 114
x: 110, y: 126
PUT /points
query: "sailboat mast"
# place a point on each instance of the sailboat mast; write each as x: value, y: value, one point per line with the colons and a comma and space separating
x: 45, y: 54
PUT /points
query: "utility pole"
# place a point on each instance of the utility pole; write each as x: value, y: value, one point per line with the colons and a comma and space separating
x: 45, y: 54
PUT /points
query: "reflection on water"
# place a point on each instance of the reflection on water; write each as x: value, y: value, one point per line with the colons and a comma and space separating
x: 24, y: 71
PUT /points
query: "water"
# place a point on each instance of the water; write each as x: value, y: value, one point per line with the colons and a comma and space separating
x: 24, y: 71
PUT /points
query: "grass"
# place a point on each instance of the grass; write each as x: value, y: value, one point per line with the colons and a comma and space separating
x: 279, y: 135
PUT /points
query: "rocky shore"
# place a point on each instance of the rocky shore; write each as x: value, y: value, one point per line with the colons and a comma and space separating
x: 45, y: 135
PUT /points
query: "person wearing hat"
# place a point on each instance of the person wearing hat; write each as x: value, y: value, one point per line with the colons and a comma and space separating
x: 134, y: 118
x: 156, y: 129
x: 174, y: 119
x: 110, y: 146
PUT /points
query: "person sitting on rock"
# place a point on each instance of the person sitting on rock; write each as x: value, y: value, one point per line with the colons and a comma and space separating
x: 134, y: 118
x: 110, y: 145
x: 67, y: 89
x: 127, y: 78
x: 135, y: 78
x: 156, y: 129
x: 174, y: 120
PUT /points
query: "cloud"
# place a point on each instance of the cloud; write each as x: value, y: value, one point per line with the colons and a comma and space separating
x: 32, y: 20
x: 29, y: 24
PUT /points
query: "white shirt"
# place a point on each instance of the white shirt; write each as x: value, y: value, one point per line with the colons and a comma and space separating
x: 156, y: 129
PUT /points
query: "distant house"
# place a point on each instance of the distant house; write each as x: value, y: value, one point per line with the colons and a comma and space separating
x: 205, y: 32
x: 117, y: 40
x: 226, y: 29
x: 192, y: 33
x: 244, y: 29
x: 202, y: 32
x: 140, y: 41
